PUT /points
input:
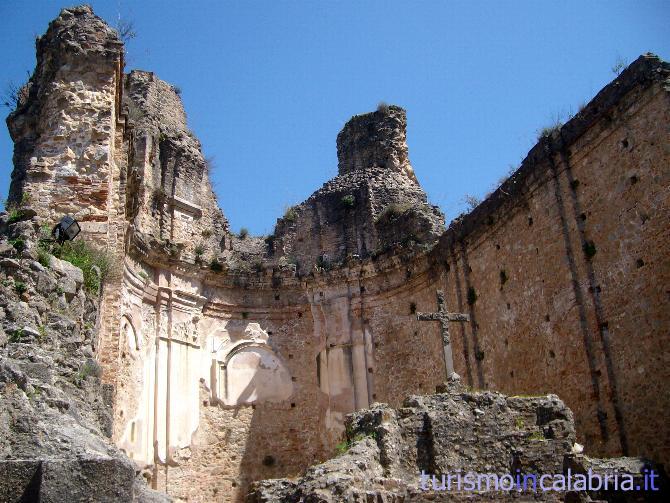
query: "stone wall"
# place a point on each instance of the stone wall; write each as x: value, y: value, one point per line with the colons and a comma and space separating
x: 373, y: 203
x: 563, y: 270
x: 64, y: 125
x: 170, y: 195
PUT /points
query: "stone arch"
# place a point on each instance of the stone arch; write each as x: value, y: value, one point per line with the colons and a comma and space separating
x: 250, y: 373
x: 129, y: 334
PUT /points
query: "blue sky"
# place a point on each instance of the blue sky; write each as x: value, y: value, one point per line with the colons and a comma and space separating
x: 268, y: 85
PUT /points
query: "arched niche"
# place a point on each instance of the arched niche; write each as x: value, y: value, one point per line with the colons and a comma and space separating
x: 252, y: 373
x: 129, y: 335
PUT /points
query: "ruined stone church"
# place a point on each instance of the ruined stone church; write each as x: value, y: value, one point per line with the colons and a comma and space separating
x: 233, y: 359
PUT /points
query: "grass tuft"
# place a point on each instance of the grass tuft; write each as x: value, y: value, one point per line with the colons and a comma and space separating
x: 90, y: 260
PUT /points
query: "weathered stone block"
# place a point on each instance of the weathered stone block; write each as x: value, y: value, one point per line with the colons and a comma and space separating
x: 67, y: 271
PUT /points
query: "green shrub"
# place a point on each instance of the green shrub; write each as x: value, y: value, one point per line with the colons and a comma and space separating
x: 345, y: 445
x: 15, y: 214
x: 18, y: 244
x: 244, y: 232
x: 199, y: 250
x: 45, y: 232
x: 20, y: 287
x: 549, y: 130
x: 348, y: 201
x: 88, y: 369
x: 342, y: 447
x: 173, y: 250
x: 290, y: 215
x: 324, y: 262
x: 79, y: 253
x: 43, y: 255
x: 16, y: 335
x: 215, y: 265
x: 392, y: 210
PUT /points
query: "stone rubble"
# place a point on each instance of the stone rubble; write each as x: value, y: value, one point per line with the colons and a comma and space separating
x: 55, y: 414
x: 455, y: 430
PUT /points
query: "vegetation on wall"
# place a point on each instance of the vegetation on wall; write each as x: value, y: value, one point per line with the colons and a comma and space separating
x: 94, y: 263
x: 348, y: 201
x: 290, y: 215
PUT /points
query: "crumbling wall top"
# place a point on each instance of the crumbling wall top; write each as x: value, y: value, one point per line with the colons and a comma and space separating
x: 79, y: 30
x: 375, y: 139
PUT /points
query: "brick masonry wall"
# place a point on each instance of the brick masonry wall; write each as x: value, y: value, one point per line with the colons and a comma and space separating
x: 570, y: 276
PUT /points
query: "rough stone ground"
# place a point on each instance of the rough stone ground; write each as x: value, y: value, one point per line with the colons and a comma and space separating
x: 453, y: 430
x: 55, y: 415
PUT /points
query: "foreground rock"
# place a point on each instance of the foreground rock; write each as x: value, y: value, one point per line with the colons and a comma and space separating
x: 55, y: 415
x: 458, y: 431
